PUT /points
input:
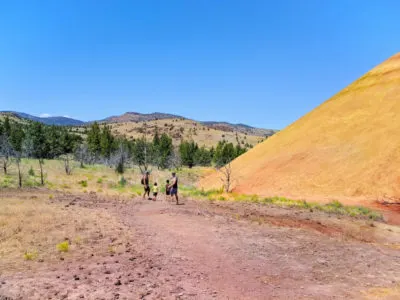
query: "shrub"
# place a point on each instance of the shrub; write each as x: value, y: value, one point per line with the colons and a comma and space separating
x: 335, y: 204
x: 31, y: 172
x: 30, y: 255
x: 63, y: 246
x: 122, y: 181
x: 83, y: 183
x: 100, y: 180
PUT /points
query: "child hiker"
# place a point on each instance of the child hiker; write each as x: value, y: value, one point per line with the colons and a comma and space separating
x: 155, y: 191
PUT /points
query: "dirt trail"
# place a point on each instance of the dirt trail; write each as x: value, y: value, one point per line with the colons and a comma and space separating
x: 201, y: 251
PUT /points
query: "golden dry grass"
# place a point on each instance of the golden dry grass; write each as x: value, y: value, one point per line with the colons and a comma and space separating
x: 31, y: 230
x: 382, y: 293
x: 180, y: 129
x: 346, y: 147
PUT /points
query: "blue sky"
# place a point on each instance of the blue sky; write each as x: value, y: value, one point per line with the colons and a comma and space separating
x: 263, y: 63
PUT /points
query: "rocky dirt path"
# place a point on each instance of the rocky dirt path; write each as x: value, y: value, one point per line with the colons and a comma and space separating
x: 203, y: 251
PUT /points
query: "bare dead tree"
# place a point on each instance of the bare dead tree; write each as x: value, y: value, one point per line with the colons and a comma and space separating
x: 226, y: 176
x: 82, y: 155
x: 67, y: 159
x: 120, y: 159
x: 6, y: 151
x: 18, y: 164
x: 174, y: 160
x: 41, y: 163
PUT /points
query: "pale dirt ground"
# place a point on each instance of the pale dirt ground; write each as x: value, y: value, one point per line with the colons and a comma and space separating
x: 199, y: 250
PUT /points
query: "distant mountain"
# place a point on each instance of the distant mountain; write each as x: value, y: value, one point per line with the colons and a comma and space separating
x: 61, y: 121
x: 138, y: 117
x: 222, y: 126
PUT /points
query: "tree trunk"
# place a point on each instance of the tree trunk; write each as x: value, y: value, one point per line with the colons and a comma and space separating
x: 41, y: 171
x: 5, y: 165
x: 19, y: 174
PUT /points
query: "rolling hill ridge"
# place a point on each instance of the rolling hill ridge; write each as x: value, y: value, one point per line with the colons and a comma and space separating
x: 139, y: 118
x: 61, y: 121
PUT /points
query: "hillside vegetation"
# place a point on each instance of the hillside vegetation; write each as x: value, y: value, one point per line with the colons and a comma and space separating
x: 135, y: 125
x: 183, y: 129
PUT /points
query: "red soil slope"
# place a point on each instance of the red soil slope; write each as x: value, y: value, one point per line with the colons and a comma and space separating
x: 348, y: 147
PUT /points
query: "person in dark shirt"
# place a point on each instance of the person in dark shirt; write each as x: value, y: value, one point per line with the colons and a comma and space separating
x: 174, y: 188
x: 145, y: 183
x: 167, y: 191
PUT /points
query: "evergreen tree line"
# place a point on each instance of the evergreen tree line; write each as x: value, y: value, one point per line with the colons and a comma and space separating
x: 33, y: 140
x: 102, y: 146
x: 39, y: 141
x: 193, y: 155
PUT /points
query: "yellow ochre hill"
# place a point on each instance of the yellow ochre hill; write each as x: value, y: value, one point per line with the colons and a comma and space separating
x: 347, y: 148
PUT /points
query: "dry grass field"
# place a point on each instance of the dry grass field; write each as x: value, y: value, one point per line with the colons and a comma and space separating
x: 182, y: 129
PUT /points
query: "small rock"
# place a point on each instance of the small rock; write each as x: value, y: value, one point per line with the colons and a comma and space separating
x: 118, y: 282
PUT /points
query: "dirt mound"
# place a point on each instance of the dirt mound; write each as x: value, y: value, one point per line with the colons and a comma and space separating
x: 347, y: 147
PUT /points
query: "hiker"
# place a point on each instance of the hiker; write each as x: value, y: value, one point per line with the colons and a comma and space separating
x: 167, y: 190
x: 174, y: 188
x: 155, y: 191
x: 145, y: 183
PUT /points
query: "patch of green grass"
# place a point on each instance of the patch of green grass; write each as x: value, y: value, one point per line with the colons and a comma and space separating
x: 188, y: 191
x: 333, y: 207
x: 122, y: 182
x: 100, y: 180
x: 63, y: 246
x: 31, y: 172
x: 30, y: 255
x: 8, y: 181
x: 31, y: 182
x: 136, y: 189
x: 83, y: 183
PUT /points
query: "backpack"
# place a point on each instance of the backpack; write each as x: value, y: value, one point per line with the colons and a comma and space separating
x: 142, y: 181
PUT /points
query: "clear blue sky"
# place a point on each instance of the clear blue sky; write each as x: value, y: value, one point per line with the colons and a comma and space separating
x: 263, y: 63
